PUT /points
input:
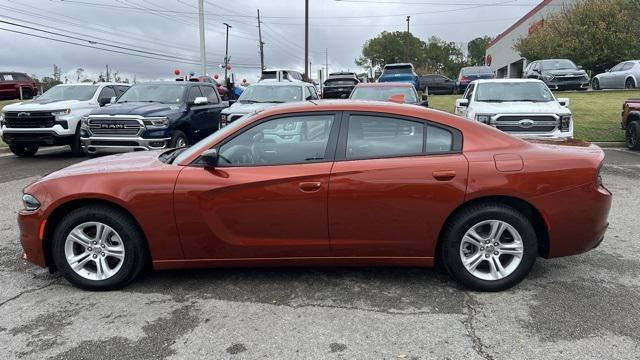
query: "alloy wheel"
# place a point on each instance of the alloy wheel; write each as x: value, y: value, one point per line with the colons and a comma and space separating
x: 94, y: 251
x: 491, y: 250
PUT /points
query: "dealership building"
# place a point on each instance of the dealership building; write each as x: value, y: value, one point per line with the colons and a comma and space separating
x: 503, y: 59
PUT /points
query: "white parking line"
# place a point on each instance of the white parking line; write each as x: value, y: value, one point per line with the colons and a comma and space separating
x: 41, y: 151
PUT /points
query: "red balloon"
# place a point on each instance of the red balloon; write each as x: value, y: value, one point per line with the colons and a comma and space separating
x: 244, y: 80
x: 216, y: 76
x: 228, y: 66
x: 176, y: 71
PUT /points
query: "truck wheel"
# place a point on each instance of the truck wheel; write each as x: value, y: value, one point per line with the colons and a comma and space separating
x: 179, y: 139
x: 24, y: 150
x: 76, y: 146
x: 489, y: 247
x: 632, y: 135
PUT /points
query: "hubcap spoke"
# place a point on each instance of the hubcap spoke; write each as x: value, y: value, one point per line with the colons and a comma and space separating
x: 473, y: 262
x: 78, y: 261
x: 78, y: 236
x: 497, y: 228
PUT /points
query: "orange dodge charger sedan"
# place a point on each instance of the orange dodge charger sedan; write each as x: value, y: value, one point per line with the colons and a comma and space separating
x: 323, y: 183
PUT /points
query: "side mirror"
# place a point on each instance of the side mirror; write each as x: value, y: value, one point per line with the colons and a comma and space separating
x: 104, y: 101
x: 563, y: 102
x: 424, y: 103
x: 200, y: 100
x: 210, y: 158
x: 579, y: 67
x: 462, y: 103
x: 425, y: 96
x: 231, y: 102
x: 113, y: 100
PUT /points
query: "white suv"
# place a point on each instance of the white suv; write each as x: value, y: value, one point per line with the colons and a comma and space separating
x: 54, y: 117
x: 521, y: 107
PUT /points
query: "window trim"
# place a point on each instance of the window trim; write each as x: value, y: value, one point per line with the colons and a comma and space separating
x: 329, y: 154
x: 341, y: 149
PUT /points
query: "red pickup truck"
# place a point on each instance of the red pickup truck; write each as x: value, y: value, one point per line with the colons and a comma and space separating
x: 11, y: 82
x: 631, y: 123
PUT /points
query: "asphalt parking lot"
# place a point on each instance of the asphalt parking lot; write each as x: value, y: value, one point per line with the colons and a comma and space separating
x: 582, y: 307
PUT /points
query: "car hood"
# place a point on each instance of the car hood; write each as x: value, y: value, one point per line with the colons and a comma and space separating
x: 518, y: 107
x: 238, y: 108
x: 126, y: 162
x: 138, y: 108
x: 43, y: 105
x: 561, y: 72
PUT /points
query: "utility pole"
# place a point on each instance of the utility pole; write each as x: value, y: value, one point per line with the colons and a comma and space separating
x: 107, y: 72
x: 261, y: 43
x: 326, y: 63
x: 203, y: 55
x: 306, y: 40
x: 406, y: 43
x: 226, y: 52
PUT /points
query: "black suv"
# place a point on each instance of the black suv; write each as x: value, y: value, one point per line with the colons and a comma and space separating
x: 558, y: 74
x: 153, y: 116
x: 339, y: 85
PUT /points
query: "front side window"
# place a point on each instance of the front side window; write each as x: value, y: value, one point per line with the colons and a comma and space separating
x: 161, y: 93
x: 378, y: 136
x: 210, y: 93
x: 69, y: 92
x: 469, y: 94
x: 194, y: 92
x: 288, y: 140
x: 107, y: 93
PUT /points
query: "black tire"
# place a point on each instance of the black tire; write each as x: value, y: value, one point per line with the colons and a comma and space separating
x: 133, y: 241
x: 27, y: 94
x: 177, y: 137
x: 629, y: 84
x: 632, y: 135
x: 465, y: 220
x: 595, y: 84
x: 76, y: 145
x: 24, y: 150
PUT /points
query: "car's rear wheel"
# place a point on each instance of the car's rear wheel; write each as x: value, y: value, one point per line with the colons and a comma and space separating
x: 179, y: 139
x: 629, y: 84
x: 595, y: 84
x: 489, y: 247
x: 24, y: 150
x: 98, y: 248
x: 632, y: 135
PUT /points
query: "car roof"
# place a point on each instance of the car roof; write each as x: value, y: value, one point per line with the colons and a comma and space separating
x: 94, y: 84
x: 280, y: 83
x: 398, y: 65
x: 482, y: 81
x: 176, y: 83
x: 385, y: 84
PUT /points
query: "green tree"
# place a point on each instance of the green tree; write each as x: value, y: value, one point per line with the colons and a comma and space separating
x: 57, y: 72
x: 389, y: 48
x: 595, y: 34
x: 476, y: 49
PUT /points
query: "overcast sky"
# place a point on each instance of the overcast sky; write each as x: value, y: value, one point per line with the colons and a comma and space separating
x: 168, y: 29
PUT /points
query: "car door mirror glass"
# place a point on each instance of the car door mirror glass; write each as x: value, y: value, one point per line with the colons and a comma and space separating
x: 563, y: 102
x: 210, y: 158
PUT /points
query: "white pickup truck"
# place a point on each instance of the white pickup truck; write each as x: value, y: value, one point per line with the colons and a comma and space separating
x: 54, y: 117
x: 521, y: 107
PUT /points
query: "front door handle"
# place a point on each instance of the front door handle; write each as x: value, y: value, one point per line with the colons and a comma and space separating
x: 310, y: 186
x: 444, y: 175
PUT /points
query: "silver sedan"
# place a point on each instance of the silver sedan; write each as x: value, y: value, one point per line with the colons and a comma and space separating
x: 625, y: 75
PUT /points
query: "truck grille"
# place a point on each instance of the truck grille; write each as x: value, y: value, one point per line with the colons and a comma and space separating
x: 114, y: 127
x: 29, y: 119
x: 526, y: 123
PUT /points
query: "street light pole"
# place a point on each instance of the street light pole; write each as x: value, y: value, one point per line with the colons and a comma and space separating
x: 203, y: 55
x: 306, y: 40
x: 226, y: 51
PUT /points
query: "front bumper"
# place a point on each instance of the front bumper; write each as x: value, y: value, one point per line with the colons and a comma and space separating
x: 568, y: 85
x: 110, y: 145
x: 39, y: 137
x: 31, y: 224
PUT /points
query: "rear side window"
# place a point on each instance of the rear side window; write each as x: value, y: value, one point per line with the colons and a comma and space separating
x: 439, y: 140
x: 627, y: 66
x: 377, y: 136
x: 7, y: 77
x: 20, y: 77
x: 210, y: 93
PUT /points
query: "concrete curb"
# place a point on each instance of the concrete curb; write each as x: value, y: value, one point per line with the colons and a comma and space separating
x: 611, y: 144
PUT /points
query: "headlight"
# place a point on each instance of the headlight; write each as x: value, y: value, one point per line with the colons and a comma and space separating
x: 484, y: 118
x: 156, y: 123
x: 1, y: 119
x: 61, y: 112
x: 30, y: 202
x: 565, y: 122
x: 548, y: 77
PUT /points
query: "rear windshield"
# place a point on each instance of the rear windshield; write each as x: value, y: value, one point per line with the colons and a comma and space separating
x: 339, y: 82
x: 481, y: 70
x: 398, y: 70
x: 267, y: 75
x: 383, y: 93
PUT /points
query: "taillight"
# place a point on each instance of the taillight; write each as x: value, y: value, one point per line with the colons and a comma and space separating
x: 464, y: 78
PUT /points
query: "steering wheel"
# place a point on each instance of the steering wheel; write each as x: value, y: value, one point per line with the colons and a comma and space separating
x: 239, y: 154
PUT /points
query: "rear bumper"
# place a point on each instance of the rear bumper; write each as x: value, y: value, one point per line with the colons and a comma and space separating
x: 336, y: 94
x: 576, y: 219
x: 110, y: 145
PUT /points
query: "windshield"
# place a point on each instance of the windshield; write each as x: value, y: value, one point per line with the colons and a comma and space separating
x: 481, y: 70
x: 69, y: 92
x: 398, y: 70
x: 202, y: 144
x: 166, y: 94
x: 384, y: 93
x: 340, y: 82
x: 557, y: 64
x: 271, y: 94
x: 517, y: 91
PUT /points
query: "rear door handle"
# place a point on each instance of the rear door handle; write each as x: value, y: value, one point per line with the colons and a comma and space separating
x: 444, y: 175
x: 310, y: 186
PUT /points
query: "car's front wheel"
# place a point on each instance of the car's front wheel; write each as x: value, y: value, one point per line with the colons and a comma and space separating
x: 489, y: 247
x: 632, y: 135
x: 98, y: 248
x: 24, y: 150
